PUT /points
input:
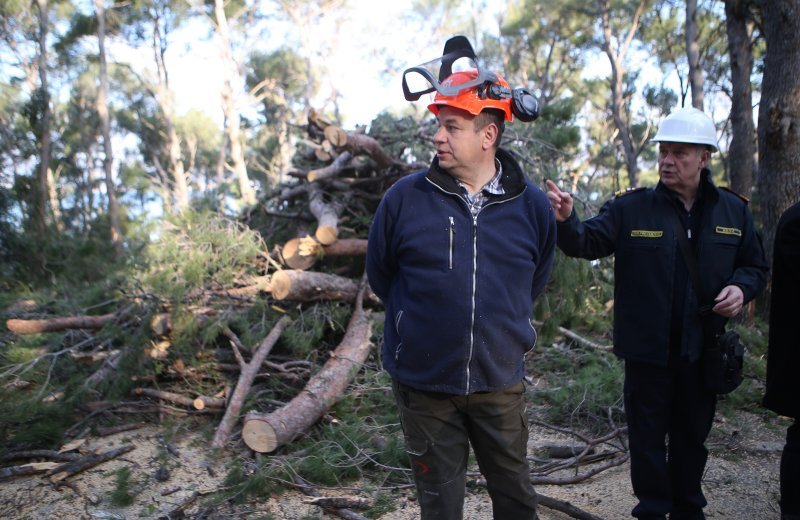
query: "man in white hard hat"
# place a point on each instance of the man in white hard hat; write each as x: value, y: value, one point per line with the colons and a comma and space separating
x: 658, y: 329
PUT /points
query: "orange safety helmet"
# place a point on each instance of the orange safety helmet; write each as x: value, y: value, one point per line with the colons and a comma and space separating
x: 475, y: 99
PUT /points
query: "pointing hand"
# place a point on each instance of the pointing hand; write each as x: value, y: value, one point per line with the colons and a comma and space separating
x: 560, y: 200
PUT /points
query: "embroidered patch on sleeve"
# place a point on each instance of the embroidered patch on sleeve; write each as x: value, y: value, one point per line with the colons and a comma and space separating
x: 647, y: 233
x: 728, y: 231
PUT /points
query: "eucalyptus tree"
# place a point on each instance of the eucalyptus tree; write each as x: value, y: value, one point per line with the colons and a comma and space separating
x: 105, y: 125
x: 779, y: 114
x: 43, y: 134
x: 717, y: 60
x: 164, y: 16
x: 304, y: 14
x: 200, y: 143
x: 279, y: 82
x: 545, y: 47
x: 27, y: 30
x: 693, y: 54
x: 617, y: 34
x: 150, y: 24
x: 220, y: 15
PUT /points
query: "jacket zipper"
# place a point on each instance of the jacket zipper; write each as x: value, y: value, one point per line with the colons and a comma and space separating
x: 472, y: 297
x: 474, y: 268
x: 452, y: 232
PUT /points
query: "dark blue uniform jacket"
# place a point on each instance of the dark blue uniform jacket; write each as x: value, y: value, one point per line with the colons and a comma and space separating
x: 637, y: 229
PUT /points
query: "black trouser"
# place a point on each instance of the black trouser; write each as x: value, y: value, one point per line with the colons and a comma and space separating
x: 438, y: 430
x: 667, y: 403
x: 790, y: 473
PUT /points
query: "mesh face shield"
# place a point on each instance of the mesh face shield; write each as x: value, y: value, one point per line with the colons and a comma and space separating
x: 427, y: 77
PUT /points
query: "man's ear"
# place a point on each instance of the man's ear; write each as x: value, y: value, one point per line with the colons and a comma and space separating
x: 705, y: 157
x: 490, y: 133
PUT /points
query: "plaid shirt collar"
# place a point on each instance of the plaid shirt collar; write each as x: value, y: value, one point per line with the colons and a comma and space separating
x: 479, y: 199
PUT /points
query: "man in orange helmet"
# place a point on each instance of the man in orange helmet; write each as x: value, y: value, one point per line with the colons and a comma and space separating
x: 458, y: 253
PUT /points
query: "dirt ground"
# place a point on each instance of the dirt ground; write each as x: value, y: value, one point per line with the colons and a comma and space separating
x: 741, y: 482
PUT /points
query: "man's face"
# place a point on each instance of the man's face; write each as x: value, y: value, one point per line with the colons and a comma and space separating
x: 458, y: 145
x: 679, y: 165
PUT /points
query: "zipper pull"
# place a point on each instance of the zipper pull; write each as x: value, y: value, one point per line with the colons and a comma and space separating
x: 452, y: 232
x: 689, y: 233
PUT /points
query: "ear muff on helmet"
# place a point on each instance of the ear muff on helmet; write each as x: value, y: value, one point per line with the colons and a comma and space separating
x: 524, y: 105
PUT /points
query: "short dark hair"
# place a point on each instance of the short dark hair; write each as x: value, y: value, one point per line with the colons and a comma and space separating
x: 491, y: 116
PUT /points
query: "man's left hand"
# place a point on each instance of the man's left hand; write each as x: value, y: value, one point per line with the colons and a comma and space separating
x: 729, y: 301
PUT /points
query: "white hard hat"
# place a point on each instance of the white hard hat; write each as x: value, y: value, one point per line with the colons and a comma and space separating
x: 688, y: 125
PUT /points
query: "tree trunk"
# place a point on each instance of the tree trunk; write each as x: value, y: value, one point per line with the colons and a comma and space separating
x: 693, y: 55
x: 742, y: 150
x: 619, y: 111
x: 247, y: 193
x: 40, y: 215
x: 52, y: 195
x: 779, y: 116
x: 102, y: 112
x: 265, y: 433
x: 180, y: 188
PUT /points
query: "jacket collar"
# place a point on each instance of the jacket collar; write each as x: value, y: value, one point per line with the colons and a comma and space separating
x: 512, y: 178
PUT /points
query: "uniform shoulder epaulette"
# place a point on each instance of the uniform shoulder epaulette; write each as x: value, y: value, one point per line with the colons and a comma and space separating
x: 745, y: 199
x: 628, y: 191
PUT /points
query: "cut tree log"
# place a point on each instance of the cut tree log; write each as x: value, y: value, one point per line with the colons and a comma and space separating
x: 293, y: 284
x: 266, y: 432
x: 327, y: 215
x: 358, y: 144
x: 19, y: 326
x: 198, y: 403
x: 340, y: 502
x: 71, y: 468
x: 302, y: 253
x: 364, y: 144
x: 246, y: 376
x: 292, y: 257
x: 335, y: 135
x: 566, y: 508
x: 345, y: 513
x: 26, y: 469
x: 333, y: 169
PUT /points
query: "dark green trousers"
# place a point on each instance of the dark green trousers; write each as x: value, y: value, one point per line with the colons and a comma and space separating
x: 439, y: 429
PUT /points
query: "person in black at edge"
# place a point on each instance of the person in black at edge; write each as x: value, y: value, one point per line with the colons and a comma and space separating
x: 657, y: 325
x: 783, y: 386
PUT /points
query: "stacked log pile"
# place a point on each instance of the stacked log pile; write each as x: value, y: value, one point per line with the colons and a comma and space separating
x: 347, y: 166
